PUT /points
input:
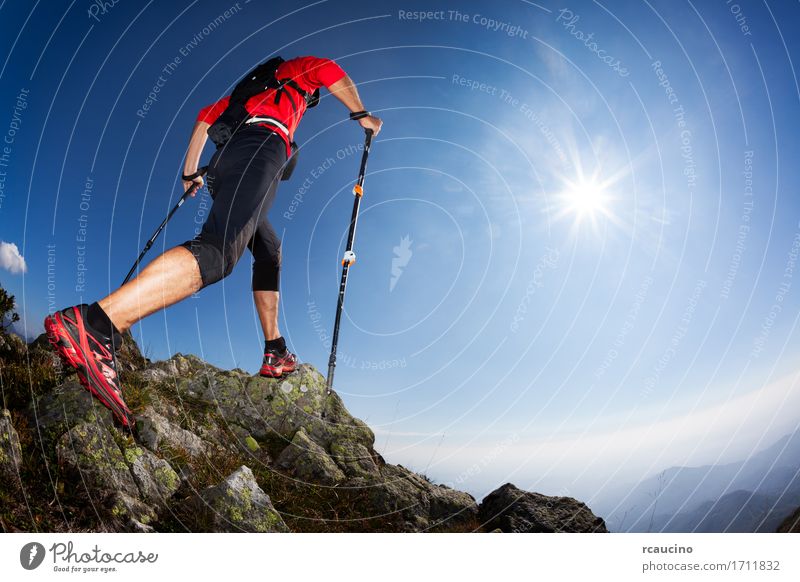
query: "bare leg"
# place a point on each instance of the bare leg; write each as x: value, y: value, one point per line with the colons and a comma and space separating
x: 267, y: 307
x: 170, y: 278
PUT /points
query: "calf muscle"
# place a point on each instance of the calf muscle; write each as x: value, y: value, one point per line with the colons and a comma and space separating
x: 170, y: 278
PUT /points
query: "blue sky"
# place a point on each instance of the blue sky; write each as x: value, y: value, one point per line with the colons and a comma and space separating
x: 590, y: 209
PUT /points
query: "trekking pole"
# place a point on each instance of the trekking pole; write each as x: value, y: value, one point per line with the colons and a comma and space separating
x: 349, y: 256
x: 192, y: 189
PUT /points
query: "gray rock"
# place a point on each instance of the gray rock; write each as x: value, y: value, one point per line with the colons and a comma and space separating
x: 155, y: 431
x: 129, y: 514
x: 450, y: 507
x: 95, y: 463
x: 244, y: 443
x: 156, y: 479
x: 266, y: 407
x: 154, y: 375
x: 10, y: 449
x: 237, y: 505
x: 90, y: 451
x: 69, y: 405
x: 306, y: 460
x: 180, y: 365
x: 513, y: 510
x: 354, y: 458
x: 418, y: 504
x: 136, y: 526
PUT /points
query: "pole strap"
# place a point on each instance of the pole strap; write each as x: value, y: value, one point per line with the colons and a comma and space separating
x: 197, y: 174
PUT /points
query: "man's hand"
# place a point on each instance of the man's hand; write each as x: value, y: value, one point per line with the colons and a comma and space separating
x: 371, y: 122
x: 197, y: 183
x: 345, y: 91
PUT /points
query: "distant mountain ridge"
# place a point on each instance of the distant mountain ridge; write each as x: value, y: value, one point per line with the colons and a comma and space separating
x: 736, y: 512
x: 754, y: 494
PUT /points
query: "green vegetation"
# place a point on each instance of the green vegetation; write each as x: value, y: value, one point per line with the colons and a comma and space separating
x: 8, y: 314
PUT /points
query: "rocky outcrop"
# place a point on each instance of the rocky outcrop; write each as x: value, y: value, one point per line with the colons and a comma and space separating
x: 512, y: 510
x: 221, y: 450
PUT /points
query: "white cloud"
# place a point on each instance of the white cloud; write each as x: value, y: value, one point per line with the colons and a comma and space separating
x: 10, y: 258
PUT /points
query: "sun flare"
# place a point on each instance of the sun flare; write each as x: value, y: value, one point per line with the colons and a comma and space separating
x: 584, y: 199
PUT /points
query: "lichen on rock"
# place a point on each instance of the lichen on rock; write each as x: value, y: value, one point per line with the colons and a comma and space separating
x: 156, y: 431
x: 306, y: 460
x: 156, y: 479
x: 237, y: 504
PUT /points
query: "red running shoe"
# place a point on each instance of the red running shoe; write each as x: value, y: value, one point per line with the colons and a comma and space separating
x: 276, y: 364
x: 91, y: 355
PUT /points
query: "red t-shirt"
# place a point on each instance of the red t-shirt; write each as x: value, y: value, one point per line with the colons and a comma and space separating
x: 310, y: 73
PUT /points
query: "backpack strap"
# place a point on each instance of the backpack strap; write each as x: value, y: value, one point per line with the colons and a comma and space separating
x: 311, y: 99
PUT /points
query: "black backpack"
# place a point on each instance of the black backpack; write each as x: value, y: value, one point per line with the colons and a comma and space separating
x: 260, y: 79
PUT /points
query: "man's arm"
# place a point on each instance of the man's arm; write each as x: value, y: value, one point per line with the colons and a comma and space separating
x: 205, y: 118
x: 345, y: 91
x: 193, y: 153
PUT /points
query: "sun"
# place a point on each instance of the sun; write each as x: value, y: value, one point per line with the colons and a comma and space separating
x: 584, y: 199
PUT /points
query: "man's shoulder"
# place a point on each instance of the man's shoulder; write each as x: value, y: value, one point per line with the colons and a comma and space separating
x: 302, y: 64
x: 303, y: 60
x: 312, y: 71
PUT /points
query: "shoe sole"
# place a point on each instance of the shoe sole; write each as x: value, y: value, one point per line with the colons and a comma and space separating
x: 64, y: 346
x: 271, y: 372
x: 275, y: 371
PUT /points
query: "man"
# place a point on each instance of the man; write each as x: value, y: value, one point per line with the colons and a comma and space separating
x: 243, y: 177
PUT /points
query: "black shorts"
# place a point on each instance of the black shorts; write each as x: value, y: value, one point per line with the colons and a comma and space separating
x: 243, y: 180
